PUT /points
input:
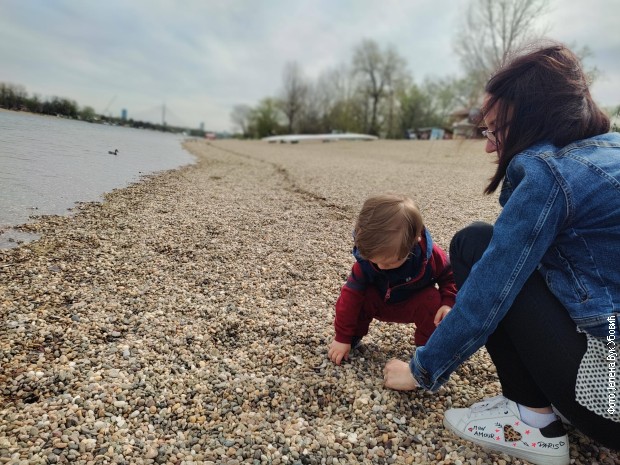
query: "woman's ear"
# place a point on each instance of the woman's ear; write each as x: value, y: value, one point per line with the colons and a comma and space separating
x: 419, y: 238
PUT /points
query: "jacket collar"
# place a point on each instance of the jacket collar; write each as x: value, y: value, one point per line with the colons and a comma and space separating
x: 427, y: 241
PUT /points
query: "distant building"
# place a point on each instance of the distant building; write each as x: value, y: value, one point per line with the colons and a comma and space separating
x: 410, y: 134
x: 202, y: 126
x: 432, y: 133
x: 124, y: 114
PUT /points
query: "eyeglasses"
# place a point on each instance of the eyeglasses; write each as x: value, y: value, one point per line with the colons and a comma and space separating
x: 490, y: 135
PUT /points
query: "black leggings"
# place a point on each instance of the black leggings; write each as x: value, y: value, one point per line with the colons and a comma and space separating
x: 536, y: 347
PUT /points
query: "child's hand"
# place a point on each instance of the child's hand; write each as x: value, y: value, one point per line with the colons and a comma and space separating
x: 441, y: 314
x: 338, y: 351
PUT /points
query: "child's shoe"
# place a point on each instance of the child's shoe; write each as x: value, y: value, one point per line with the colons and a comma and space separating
x: 495, y: 424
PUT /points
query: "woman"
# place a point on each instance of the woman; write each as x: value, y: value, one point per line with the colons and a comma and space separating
x: 541, y: 288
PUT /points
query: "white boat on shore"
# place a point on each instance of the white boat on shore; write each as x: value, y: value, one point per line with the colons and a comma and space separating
x: 296, y: 138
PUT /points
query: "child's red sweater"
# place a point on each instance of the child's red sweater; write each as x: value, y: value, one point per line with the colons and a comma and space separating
x: 427, y: 265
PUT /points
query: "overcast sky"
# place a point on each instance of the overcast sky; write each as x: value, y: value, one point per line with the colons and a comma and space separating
x: 202, y: 57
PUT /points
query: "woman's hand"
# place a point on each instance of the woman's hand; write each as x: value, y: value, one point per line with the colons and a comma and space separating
x: 397, y: 375
x: 338, y: 351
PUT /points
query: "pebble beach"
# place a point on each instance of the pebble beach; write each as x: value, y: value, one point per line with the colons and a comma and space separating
x: 185, y: 319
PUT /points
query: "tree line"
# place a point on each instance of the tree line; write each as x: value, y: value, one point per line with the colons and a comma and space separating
x: 374, y: 93
x: 15, y: 97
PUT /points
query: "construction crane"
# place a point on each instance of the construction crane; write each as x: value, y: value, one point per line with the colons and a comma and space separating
x: 108, y: 107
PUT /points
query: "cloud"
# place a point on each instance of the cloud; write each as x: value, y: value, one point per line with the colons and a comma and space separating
x: 593, y: 25
x: 203, y: 57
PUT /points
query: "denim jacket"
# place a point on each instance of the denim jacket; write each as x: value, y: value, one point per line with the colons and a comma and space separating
x: 560, y: 216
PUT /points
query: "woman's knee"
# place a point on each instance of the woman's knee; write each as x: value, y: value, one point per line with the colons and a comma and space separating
x: 475, y: 237
x: 466, y: 248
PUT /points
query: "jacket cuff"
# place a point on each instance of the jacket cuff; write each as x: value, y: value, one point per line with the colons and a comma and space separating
x: 343, y: 339
x: 420, y: 374
x: 449, y: 301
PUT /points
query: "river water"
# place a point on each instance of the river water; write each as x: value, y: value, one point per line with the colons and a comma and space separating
x: 47, y: 164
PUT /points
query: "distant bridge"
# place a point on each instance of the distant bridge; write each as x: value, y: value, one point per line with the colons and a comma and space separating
x: 160, y: 114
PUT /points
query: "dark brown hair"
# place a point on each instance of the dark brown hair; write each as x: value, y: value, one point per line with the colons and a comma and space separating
x: 542, y: 95
x: 387, y: 224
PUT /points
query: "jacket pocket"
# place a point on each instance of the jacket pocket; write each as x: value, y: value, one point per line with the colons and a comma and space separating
x: 567, y: 277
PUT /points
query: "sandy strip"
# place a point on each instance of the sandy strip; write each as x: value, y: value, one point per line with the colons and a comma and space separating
x: 185, y: 319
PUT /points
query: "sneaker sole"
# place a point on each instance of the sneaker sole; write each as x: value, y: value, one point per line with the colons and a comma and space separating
x: 537, y: 459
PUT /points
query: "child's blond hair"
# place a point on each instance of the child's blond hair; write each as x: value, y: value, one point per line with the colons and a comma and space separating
x: 388, y: 225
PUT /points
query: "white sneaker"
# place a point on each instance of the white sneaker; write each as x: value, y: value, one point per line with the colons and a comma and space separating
x: 495, y: 424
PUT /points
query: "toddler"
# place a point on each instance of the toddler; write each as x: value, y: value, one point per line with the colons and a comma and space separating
x: 400, y: 275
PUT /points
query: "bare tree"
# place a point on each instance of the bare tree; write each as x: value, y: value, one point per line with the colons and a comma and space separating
x: 310, y: 120
x: 492, y: 30
x: 241, y: 116
x: 334, y: 96
x: 468, y: 90
x: 378, y: 73
x: 332, y: 86
x: 584, y: 53
x: 294, y: 94
x: 443, y: 97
